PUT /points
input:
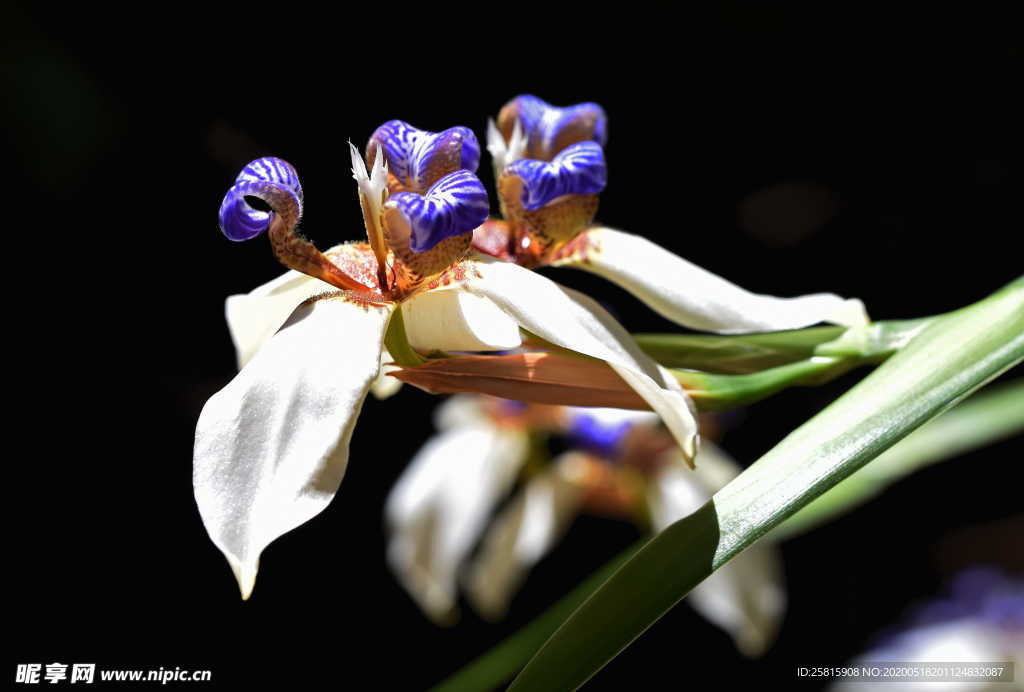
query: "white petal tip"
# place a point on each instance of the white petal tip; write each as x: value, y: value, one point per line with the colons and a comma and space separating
x: 852, y: 313
x: 245, y: 574
x: 358, y: 165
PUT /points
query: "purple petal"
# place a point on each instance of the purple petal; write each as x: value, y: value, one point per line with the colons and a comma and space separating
x: 593, y: 435
x: 455, y: 204
x: 543, y: 123
x: 271, y: 179
x: 413, y: 154
x: 577, y: 170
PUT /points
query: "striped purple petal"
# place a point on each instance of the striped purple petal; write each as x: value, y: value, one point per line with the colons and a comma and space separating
x: 270, y: 179
x: 543, y: 123
x: 455, y: 204
x: 577, y: 170
x: 414, y: 156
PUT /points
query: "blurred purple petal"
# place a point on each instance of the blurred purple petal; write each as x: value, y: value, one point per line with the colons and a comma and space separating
x: 597, y: 436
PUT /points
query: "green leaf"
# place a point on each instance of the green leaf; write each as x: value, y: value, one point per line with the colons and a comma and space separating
x: 995, y: 414
x: 948, y: 359
x: 503, y: 661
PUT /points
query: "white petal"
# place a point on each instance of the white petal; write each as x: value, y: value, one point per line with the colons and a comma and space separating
x: 522, y: 534
x: 440, y: 506
x: 694, y: 297
x: 453, y: 320
x: 745, y: 597
x: 385, y: 386
x: 496, y: 147
x: 461, y: 410
x: 572, y: 320
x: 272, y: 446
x: 254, y: 317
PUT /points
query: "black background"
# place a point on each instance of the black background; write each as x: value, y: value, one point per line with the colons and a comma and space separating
x: 789, y: 154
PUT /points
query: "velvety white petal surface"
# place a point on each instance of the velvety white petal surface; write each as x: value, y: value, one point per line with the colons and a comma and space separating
x: 521, y: 535
x: 694, y: 297
x: 440, y: 506
x: 254, y: 317
x: 571, y: 320
x: 746, y: 596
x: 272, y: 446
x: 454, y: 320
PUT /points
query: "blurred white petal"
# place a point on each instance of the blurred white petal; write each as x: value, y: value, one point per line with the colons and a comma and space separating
x: 571, y: 320
x: 454, y: 320
x: 694, y: 297
x: 461, y: 410
x: 441, y: 504
x: 961, y: 641
x: 385, y: 386
x: 272, y: 446
x: 521, y: 535
x: 745, y: 597
x: 254, y: 317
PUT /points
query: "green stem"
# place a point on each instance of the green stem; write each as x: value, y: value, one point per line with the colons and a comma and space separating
x: 748, y: 353
x: 712, y: 392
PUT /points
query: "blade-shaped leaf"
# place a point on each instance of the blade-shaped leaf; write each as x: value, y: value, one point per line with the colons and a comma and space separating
x: 983, y: 419
x: 947, y: 360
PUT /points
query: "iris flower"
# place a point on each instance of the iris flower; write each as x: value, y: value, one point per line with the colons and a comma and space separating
x: 272, y: 446
x: 434, y: 274
x: 620, y: 464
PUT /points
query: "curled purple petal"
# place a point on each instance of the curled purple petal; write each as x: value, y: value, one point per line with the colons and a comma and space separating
x: 599, y: 437
x: 270, y: 179
x: 577, y: 170
x: 417, y: 158
x: 455, y: 204
x: 549, y: 129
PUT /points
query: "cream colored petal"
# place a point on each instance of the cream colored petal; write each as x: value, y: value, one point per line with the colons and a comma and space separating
x: 453, y: 320
x: 745, y: 597
x: 521, y: 535
x: 572, y: 320
x: 440, y: 506
x: 272, y: 446
x: 694, y: 297
x: 461, y: 410
x: 254, y: 317
x: 385, y: 386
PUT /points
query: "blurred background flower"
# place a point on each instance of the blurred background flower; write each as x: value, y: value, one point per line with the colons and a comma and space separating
x: 979, y: 620
x: 562, y: 461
